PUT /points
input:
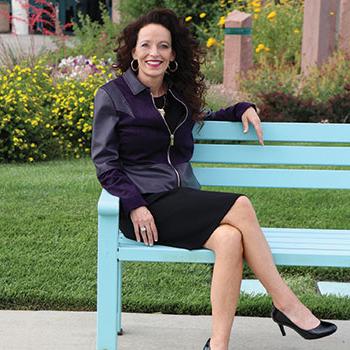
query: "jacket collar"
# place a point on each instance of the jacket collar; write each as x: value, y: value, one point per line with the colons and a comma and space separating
x: 134, y: 83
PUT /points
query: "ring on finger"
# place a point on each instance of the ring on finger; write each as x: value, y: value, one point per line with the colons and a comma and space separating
x: 143, y: 229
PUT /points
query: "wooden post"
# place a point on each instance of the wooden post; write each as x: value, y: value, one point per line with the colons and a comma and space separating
x: 4, y: 17
x: 115, y: 11
x: 319, y: 32
x: 344, y: 26
x: 238, y: 53
x: 20, y: 21
x: 58, y: 28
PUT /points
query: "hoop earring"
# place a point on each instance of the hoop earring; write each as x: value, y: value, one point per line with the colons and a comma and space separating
x: 132, y: 65
x: 172, y: 70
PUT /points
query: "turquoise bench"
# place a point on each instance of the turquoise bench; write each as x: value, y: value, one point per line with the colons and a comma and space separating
x: 288, y: 144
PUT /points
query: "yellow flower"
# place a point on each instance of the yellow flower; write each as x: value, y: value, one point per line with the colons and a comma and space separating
x: 296, y: 31
x: 256, y: 3
x: 202, y: 15
x: 259, y: 48
x: 30, y: 159
x: 211, y: 42
x: 188, y: 18
x: 257, y: 10
x: 33, y: 145
x: 221, y: 22
x: 271, y: 15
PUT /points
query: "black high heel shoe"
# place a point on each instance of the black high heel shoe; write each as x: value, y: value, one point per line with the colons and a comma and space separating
x: 207, y: 345
x: 322, y: 330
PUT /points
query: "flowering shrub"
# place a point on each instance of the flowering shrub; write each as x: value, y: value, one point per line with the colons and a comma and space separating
x: 269, y: 41
x: 277, y: 31
x: 44, y: 116
x: 79, y: 67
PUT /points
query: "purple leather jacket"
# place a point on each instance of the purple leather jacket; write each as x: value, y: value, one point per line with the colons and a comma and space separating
x: 132, y: 147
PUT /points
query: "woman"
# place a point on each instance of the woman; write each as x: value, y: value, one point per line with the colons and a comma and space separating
x: 141, y: 146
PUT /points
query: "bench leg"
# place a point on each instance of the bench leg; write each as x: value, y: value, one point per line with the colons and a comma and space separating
x: 107, y: 275
x: 119, y: 301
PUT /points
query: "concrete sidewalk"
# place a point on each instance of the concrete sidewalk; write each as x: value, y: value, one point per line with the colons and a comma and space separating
x: 56, y: 330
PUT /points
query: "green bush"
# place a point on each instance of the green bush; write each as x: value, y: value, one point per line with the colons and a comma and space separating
x: 283, y: 94
x: 328, y: 80
x: 183, y: 8
x: 282, y: 107
x: 91, y: 38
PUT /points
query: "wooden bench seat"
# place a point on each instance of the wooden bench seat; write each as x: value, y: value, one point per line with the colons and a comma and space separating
x: 296, y: 155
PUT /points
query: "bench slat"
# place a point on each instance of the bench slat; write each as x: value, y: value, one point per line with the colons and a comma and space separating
x: 311, y: 258
x: 289, y: 132
x: 309, y: 245
x: 307, y: 257
x: 279, y: 178
x: 289, y: 155
x: 304, y: 231
x: 295, y: 252
x: 321, y: 236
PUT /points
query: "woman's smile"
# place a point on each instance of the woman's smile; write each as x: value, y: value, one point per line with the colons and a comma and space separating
x: 154, y: 63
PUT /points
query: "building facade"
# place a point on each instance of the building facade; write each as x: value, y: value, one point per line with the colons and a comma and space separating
x: 19, y: 17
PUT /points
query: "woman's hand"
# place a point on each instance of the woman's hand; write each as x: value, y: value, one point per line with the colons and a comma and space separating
x: 250, y: 116
x: 144, y: 225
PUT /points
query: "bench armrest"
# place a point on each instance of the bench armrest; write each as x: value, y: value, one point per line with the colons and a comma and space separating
x: 108, y: 205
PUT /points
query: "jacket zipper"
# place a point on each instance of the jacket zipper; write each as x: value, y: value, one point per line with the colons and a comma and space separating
x: 172, y: 135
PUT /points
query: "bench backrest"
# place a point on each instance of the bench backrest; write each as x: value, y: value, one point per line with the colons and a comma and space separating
x: 295, y: 155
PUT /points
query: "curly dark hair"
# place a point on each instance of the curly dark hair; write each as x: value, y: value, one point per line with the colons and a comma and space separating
x: 188, y: 78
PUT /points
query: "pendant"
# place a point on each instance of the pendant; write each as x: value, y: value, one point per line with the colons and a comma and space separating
x: 161, y: 111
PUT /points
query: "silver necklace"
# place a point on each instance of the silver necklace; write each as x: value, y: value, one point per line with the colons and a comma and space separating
x: 161, y: 109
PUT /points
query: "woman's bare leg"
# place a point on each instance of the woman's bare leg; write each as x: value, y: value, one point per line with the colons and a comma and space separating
x: 226, y: 242
x: 258, y: 255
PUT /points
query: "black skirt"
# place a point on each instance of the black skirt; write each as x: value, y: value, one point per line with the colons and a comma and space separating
x: 184, y: 217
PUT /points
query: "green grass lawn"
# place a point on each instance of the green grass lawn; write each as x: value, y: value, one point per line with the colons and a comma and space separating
x: 48, y: 239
